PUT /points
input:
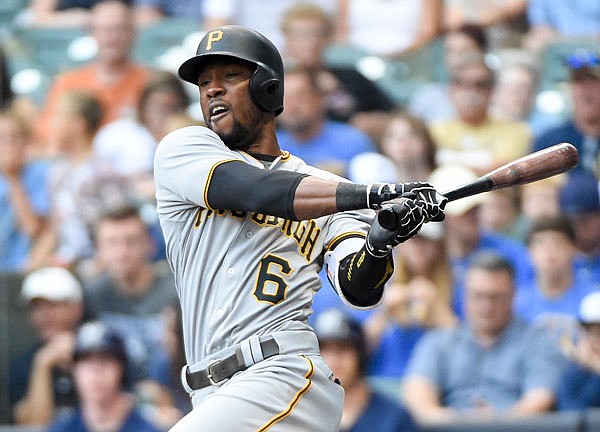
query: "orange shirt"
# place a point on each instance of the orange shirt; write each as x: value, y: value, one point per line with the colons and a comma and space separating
x: 117, y: 98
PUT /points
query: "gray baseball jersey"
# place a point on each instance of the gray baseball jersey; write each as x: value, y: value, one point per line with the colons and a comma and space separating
x: 237, y: 274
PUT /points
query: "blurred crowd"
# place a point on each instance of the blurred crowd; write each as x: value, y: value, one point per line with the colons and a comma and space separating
x: 495, y: 312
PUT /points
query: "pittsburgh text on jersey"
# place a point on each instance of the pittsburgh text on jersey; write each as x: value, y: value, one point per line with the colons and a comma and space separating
x: 304, y: 233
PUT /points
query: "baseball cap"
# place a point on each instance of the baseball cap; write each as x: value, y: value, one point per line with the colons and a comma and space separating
x: 580, y: 193
x: 336, y: 325
x: 53, y: 284
x: 450, y: 176
x: 583, y: 63
x: 98, y: 338
x: 432, y: 231
x: 589, y: 309
x: 371, y: 167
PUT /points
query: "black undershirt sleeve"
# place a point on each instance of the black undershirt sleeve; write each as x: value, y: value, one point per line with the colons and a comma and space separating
x: 362, y: 277
x: 239, y: 186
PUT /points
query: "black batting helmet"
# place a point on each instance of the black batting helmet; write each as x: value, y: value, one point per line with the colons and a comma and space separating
x: 266, y: 84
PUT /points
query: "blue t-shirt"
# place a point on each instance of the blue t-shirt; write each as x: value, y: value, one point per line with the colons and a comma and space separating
x: 14, y: 242
x: 467, y: 374
x: 383, y: 415
x: 579, y: 388
x: 391, y: 356
x: 533, y: 306
x: 588, y: 267
x: 334, y: 147
x: 74, y: 423
x: 569, y: 18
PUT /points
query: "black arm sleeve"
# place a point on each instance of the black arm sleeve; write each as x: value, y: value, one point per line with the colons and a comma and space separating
x: 239, y: 186
x: 363, y: 276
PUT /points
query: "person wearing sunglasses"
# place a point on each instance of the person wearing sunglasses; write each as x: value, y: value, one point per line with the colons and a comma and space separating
x: 582, y: 128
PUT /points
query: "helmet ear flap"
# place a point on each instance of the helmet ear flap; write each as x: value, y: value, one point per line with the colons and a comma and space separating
x: 267, y: 90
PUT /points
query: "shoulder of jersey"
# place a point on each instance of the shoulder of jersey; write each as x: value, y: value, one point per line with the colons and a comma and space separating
x: 188, y: 134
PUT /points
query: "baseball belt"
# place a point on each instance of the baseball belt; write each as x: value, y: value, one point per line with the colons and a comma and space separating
x: 250, y: 352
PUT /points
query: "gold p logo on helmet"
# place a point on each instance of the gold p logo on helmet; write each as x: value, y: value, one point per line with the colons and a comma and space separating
x: 213, y: 36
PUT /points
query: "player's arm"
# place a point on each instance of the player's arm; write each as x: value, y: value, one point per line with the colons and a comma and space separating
x: 236, y: 185
x: 360, y: 277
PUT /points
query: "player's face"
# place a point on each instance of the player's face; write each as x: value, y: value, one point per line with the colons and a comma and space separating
x: 226, y: 103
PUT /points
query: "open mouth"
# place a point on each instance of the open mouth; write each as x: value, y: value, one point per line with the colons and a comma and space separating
x: 217, y: 112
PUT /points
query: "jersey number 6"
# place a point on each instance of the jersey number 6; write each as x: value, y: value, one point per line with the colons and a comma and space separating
x: 270, y: 284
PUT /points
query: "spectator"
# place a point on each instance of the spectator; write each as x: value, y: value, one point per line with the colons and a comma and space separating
x: 580, y: 201
x: 130, y: 291
x: 24, y: 194
x: 113, y: 77
x: 388, y: 28
x: 100, y: 368
x: 465, y: 237
x: 152, y: 11
x: 306, y: 132
x: 57, y: 13
x: 555, y: 21
x: 476, y: 139
x: 552, y: 299
x: 583, y: 128
x: 254, y: 13
x: 579, y: 386
x: 504, y: 21
x: 500, y: 212
x: 408, y: 143
x: 538, y: 200
x: 493, y: 364
x: 162, y: 97
x: 82, y: 184
x: 163, y: 392
x: 431, y: 102
x: 307, y: 30
x: 41, y: 384
x: 344, y: 348
x: 516, y: 90
x: 417, y: 298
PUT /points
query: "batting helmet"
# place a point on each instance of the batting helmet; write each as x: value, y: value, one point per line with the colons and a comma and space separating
x: 266, y: 84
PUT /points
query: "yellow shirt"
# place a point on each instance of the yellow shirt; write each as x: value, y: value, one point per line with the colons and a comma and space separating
x: 481, y: 147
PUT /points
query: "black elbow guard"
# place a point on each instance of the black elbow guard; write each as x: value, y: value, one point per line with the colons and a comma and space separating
x: 362, y: 277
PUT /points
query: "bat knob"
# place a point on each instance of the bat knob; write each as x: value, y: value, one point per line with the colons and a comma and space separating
x: 388, y: 219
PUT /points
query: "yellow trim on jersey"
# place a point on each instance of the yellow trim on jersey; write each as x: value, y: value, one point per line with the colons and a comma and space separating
x: 208, y: 179
x: 285, y: 156
x: 333, y: 243
x: 294, y: 401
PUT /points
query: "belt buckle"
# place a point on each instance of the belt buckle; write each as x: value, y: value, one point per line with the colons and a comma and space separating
x: 209, y: 373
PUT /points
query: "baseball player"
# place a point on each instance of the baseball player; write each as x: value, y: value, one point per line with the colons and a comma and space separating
x: 248, y: 227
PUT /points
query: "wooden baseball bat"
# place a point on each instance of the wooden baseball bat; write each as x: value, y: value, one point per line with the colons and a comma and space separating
x: 535, y: 166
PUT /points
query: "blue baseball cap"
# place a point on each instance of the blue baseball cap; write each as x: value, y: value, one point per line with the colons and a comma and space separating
x: 580, y: 193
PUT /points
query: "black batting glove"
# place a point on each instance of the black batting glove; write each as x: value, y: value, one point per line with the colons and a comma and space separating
x: 409, y: 217
x: 428, y: 198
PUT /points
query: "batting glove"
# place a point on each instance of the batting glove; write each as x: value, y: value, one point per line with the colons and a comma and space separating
x: 427, y: 197
x: 410, y: 217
